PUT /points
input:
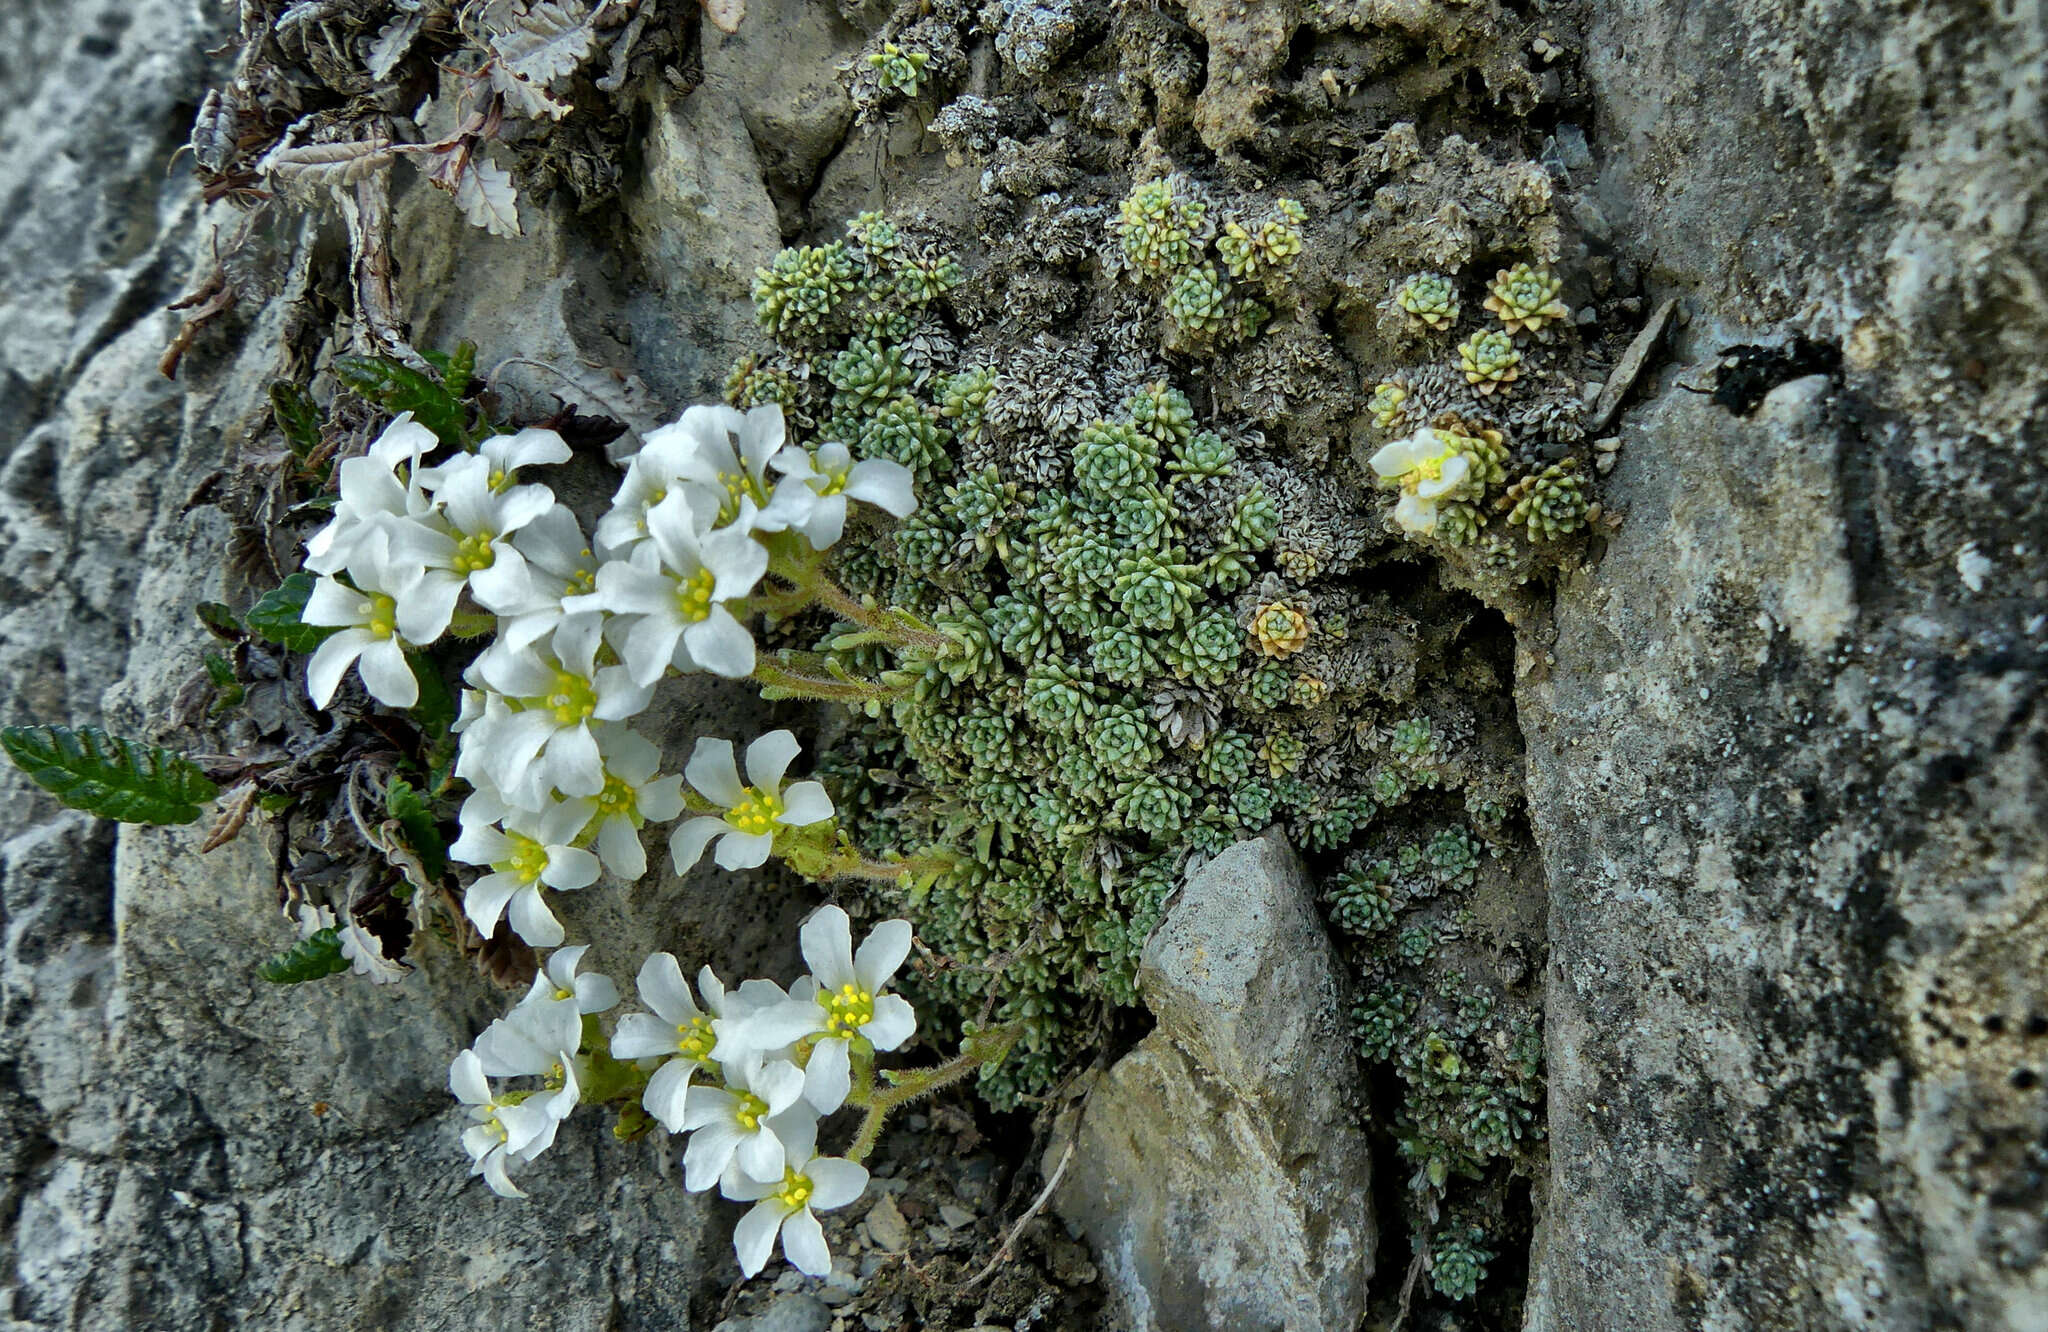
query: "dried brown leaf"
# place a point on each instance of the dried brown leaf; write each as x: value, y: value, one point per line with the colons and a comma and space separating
x: 549, y: 42
x: 235, y: 807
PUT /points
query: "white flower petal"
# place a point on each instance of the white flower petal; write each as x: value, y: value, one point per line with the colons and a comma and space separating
x: 531, y: 919
x: 835, y: 1182
x: 895, y: 1022
x: 759, y: 1155
x: 466, y: 1079
x: 661, y: 799
x: 618, y: 845
x: 803, y: 1243
x: 828, y: 1076
x: 661, y: 987
x: 753, y: 1239
x: 721, y: 645
x: 643, y: 1036
x: 686, y: 844
x: 738, y: 850
x: 569, y: 867
x: 826, y: 938
x: 769, y: 757
x: 388, y: 675
x: 331, y: 661
x: 711, y: 1148
x: 485, y: 901
x: 713, y: 772
x: 881, y: 953
x: 805, y: 803
x: 668, y: 1092
x: 886, y: 485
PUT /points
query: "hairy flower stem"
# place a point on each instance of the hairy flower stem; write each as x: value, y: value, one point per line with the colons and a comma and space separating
x: 779, y: 680
x: 983, y: 1047
x: 887, y: 871
x: 806, y: 574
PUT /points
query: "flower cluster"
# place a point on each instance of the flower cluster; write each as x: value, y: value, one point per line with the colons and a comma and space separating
x: 748, y: 1074
x: 583, y: 630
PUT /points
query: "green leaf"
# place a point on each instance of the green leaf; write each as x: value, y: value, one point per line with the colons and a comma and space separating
x: 397, y: 387
x: 297, y: 417
x: 220, y: 670
x: 106, y: 775
x: 422, y: 832
x: 217, y: 617
x: 435, y: 710
x: 316, y: 955
x: 275, y: 616
x: 457, y: 368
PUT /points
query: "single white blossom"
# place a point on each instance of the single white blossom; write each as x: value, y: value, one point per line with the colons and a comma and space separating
x: 671, y: 593
x: 1429, y: 467
x: 529, y: 850
x: 372, y: 616
x: 557, y: 563
x: 812, y: 496
x: 785, y: 1207
x: 554, y: 705
x: 558, y: 981
x: 372, y: 494
x: 515, y: 1127
x: 753, y: 812
x: 752, y: 1124
x: 471, y: 547
x: 632, y: 797
x: 845, y: 990
x: 667, y: 464
x: 537, y: 1038
x: 678, y: 1031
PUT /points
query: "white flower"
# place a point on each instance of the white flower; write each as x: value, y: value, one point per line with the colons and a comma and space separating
x: 554, y: 703
x: 666, y: 464
x: 506, y: 1128
x: 371, y: 493
x: 471, y: 547
x: 558, y: 981
x: 846, y: 989
x: 558, y: 563
x: 812, y: 496
x: 817, y: 1184
x: 1428, y: 467
x: 674, y: 588
x: 754, y: 1123
x: 372, y: 617
x: 678, y: 1031
x: 538, y: 1038
x: 754, y: 812
x: 533, y: 848
x: 632, y: 797
x: 731, y: 459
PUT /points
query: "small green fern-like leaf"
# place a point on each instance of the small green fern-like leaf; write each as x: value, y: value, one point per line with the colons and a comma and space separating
x: 409, y: 807
x: 316, y: 955
x: 106, y: 775
x: 435, y: 403
x: 276, y: 616
x: 298, y: 420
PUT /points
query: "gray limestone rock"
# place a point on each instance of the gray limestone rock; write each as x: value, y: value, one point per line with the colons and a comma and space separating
x: 1219, y: 1169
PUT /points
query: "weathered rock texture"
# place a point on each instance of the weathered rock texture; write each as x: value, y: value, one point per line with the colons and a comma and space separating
x: 1786, y: 738
x: 1219, y: 1168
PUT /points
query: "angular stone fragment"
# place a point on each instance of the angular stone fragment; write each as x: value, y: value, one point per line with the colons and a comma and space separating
x: 1220, y: 1169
